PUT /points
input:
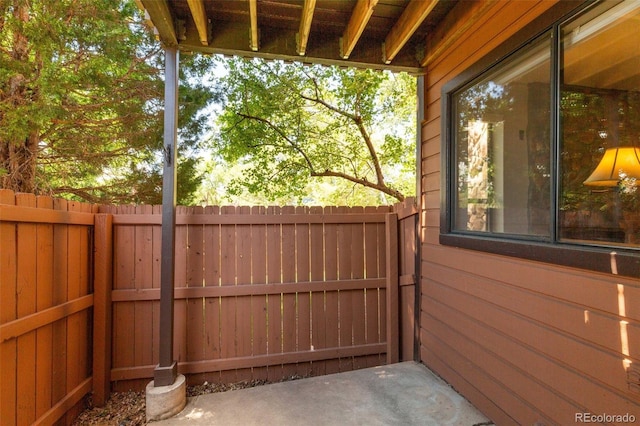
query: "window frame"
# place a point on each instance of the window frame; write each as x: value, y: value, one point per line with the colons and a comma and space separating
x: 549, y: 249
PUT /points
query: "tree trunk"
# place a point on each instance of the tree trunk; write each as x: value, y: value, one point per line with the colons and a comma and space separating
x: 18, y: 157
x: 18, y: 161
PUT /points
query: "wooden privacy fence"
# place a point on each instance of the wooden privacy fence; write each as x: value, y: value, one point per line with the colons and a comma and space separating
x: 260, y: 293
x: 45, y: 302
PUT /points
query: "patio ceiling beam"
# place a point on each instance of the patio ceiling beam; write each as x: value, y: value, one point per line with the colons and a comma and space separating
x: 305, y: 26
x: 200, y: 18
x: 160, y: 15
x: 413, y: 15
x: 254, y: 43
x: 359, y: 17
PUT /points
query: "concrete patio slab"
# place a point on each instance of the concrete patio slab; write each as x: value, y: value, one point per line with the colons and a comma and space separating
x: 399, y: 394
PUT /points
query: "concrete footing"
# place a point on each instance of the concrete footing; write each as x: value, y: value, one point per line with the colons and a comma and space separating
x: 166, y: 401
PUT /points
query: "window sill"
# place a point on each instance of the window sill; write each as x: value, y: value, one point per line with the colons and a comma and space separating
x: 590, y: 258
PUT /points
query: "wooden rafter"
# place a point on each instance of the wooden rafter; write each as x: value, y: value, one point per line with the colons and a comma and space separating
x: 359, y: 17
x: 414, y: 14
x: 200, y: 18
x: 160, y: 15
x: 337, y: 32
x: 305, y: 26
x: 253, y: 14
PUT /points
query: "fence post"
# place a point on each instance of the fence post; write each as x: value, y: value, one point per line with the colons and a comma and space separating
x: 102, y: 285
x: 393, y: 322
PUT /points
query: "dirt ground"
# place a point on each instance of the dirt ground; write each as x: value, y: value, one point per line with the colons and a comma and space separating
x: 128, y: 408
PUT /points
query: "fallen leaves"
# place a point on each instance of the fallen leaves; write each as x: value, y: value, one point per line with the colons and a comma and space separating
x: 128, y: 408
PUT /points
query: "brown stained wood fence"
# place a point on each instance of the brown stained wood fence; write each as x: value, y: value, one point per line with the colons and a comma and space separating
x: 261, y: 293
x: 45, y: 308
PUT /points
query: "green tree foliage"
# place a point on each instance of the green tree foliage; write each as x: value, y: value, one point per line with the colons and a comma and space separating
x: 81, y: 94
x: 287, y: 124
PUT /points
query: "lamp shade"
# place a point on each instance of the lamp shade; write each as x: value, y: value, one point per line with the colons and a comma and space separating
x: 616, y: 164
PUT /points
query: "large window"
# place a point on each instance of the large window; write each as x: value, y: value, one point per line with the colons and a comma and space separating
x: 544, y: 144
x: 502, y: 146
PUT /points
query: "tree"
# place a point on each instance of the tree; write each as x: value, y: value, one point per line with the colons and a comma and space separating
x: 81, y: 102
x: 290, y: 123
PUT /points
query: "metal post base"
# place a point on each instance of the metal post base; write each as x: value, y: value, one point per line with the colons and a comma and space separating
x: 165, y: 376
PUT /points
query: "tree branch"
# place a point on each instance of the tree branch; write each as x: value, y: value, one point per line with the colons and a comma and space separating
x: 282, y: 135
x: 357, y: 120
x: 362, y: 181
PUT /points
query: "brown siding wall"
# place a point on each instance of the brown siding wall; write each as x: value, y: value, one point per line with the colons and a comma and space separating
x: 525, y: 342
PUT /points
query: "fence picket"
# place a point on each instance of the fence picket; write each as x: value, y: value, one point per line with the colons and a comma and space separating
x: 358, y: 299
x: 318, y: 315
x: 332, y: 300
x: 259, y: 303
x: 156, y: 279
x: 212, y: 253
x: 180, y: 274
x: 123, y: 312
x: 228, y: 305
x: 78, y: 366
x: 44, y: 300
x: 274, y: 301
x: 143, y: 278
x: 195, y: 306
x: 382, y: 294
x: 8, y: 271
x: 303, y: 273
x: 373, y: 330
x: 26, y: 305
x: 345, y: 297
x: 60, y: 261
x: 289, y: 305
x: 243, y: 303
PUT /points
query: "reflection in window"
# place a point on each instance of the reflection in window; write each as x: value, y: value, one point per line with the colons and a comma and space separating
x: 600, y: 126
x: 502, y: 146
x: 503, y: 158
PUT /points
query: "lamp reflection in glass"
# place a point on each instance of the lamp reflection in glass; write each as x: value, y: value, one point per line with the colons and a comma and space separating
x: 617, y: 164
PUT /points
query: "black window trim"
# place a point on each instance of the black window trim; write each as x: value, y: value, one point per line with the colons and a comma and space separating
x: 600, y: 258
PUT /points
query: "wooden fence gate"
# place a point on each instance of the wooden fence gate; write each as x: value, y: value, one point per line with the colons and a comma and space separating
x: 261, y: 293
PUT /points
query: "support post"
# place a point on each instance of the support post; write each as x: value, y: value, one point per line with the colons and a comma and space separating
x: 419, y: 120
x: 166, y: 395
x: 418, y: 253
x: 166, y: 371
x: 102, y: 285
x: 393, y: 322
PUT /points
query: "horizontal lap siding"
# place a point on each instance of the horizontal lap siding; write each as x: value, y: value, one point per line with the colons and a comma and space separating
x: 526, y: 342
x: 261, y: 293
